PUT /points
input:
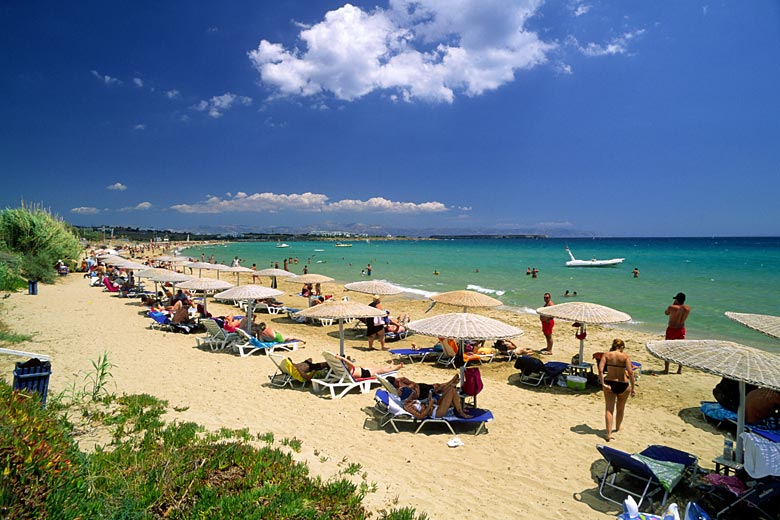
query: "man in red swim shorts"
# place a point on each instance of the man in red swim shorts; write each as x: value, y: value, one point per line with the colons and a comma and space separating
x: 678, y: 312
x: 547, y: 326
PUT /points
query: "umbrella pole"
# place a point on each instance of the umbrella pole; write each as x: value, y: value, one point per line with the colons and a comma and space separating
x: 740, y: 421
x: 582, y: 347
x: 250, y: 310
x: 341, y: 336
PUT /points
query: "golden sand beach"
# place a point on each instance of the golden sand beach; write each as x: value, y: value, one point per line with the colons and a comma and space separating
x: 537, y: 460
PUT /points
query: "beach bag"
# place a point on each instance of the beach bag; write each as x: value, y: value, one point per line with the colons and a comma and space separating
x: 472, y: 381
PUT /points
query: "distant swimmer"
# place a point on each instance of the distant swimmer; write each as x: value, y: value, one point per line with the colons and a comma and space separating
x: 635, y: 272
x: 476, y: 270
x: 566, y: 294
x: 528, y: 271
x: 435, y: 273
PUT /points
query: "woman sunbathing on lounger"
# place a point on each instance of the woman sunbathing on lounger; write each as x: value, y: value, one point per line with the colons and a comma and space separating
x: 421, y: 390
x: 447, y: 403
x: 364, y: 373
x: 395, y: 325
x: 231, y: 323
x: 265, y: 333
x: 308, y: 368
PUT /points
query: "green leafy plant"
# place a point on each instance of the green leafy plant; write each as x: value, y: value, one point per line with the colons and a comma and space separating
x: 32, y: 240
x: 37, y: 455
x: 96, y: 382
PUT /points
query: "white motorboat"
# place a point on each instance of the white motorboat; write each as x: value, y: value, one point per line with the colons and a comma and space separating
x: 341, y: 244
x: 593, y: 262
x: 282, y: 244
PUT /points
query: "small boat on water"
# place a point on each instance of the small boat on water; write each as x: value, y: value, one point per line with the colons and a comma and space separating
x: 282, y: 244
x: 342, y: 244
x: 592, y: 262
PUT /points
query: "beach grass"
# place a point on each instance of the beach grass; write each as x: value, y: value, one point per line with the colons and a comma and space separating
x: 151, y: 469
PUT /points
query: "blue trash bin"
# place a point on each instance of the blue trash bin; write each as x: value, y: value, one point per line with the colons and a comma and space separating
x: 32, y: 287
x: 33, y: 376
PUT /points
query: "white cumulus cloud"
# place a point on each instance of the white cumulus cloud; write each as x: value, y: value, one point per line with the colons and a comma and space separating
x: 617, y: 45
x: 308, y: 202
x: 138, y: 82
x: 172, y: 94
x: 218, y: 105
x: 139, y: 126
x: 579, y: 8
x: 85, y: 210
x: 138, y: 207
x: 118, y: 186
x: 414, y: 49
x: 106, y: 79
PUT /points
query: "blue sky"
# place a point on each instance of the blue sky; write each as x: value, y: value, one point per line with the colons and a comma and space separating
x: 620, y: 118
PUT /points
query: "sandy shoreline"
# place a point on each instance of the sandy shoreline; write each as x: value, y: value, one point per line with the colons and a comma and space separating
x: 538, y: 459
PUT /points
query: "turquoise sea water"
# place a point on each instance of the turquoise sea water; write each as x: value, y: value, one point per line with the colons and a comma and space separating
x: 717, y: 274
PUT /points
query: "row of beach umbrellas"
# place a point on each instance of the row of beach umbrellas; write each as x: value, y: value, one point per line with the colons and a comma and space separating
x: 743, y: 364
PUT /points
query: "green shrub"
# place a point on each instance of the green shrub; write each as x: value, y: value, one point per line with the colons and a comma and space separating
x: 39, y: 240
x: 154, y: 470
x: 38, y: 458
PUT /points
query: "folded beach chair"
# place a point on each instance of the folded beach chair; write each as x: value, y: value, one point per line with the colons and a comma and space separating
x: 216, y: 337
x: 286, y: 373
x: 656, y: 468
x: 246, y: 345
x: 533, y: 372
x: 391, y: 411
x: 412, y: 354
x: 340, y: 381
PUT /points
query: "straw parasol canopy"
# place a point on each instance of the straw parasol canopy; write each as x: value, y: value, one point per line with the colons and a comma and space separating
x: 341, y: 310
x: 132, y: 266
x: 111, y: 259
x: 769, y: 325
x: 238, y: 270
x: 463, y: 325
x: 200, y: 266
x: 725, y: 359
x: 164, y: 275
x: 205, y: 285
x: 465, y: 298
x: 311, y: 278
x: 151, y: 271
x: 373, y: 287
x: 584, y: 313
x: 248, y: 292
x: 273, y: 272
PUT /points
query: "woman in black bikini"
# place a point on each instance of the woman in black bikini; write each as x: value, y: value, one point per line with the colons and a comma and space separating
x: 615, y: 374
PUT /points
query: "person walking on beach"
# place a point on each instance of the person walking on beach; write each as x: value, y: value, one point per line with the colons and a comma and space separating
x: 614, y: 368
x: 678, y: 312
x: 547, y: 326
